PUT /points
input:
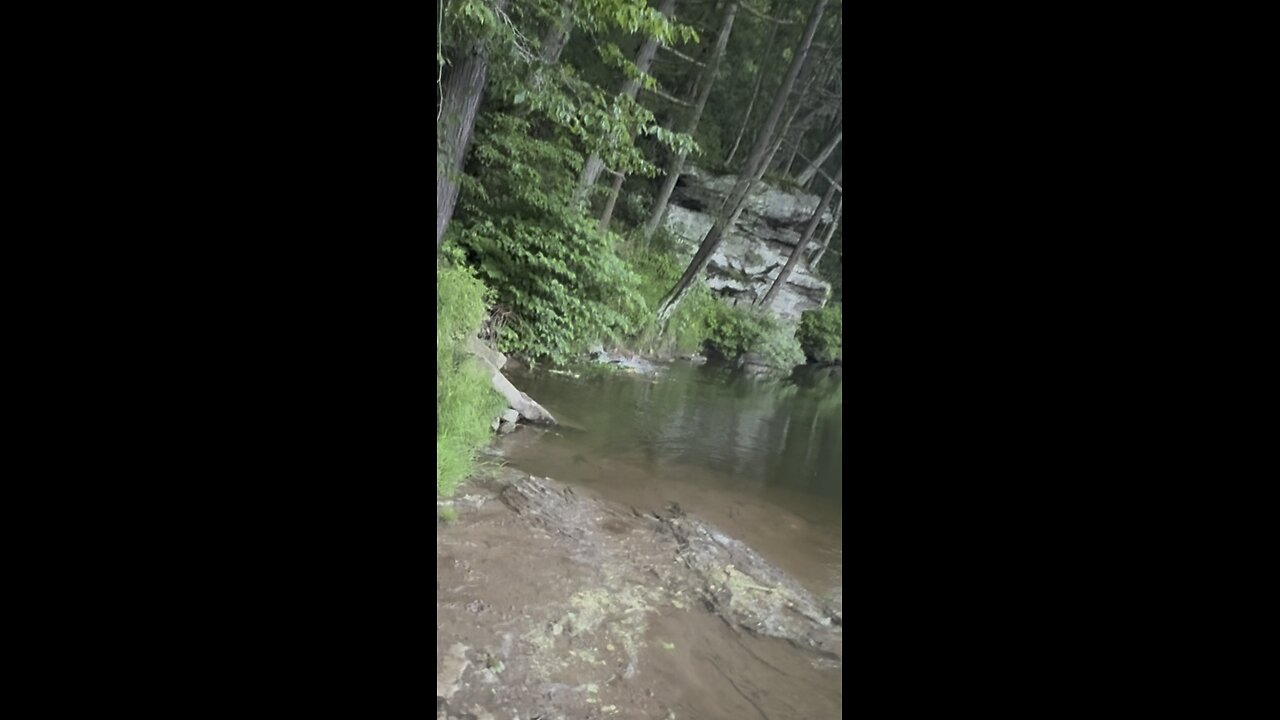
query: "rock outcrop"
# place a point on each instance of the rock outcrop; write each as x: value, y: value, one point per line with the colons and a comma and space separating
x: 520, y: 404
x: 756, y: 248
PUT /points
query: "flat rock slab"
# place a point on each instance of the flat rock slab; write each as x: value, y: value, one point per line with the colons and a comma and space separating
x: 556, y: 603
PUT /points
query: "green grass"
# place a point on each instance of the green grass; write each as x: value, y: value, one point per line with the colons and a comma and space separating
x: 466, y: 402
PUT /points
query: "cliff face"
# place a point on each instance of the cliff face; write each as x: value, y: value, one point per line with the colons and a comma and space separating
x: 757, y: 246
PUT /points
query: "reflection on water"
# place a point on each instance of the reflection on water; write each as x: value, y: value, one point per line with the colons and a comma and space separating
x: 761, y: 459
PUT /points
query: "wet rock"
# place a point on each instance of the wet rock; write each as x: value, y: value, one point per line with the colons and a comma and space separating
x: 636, y: 364
x: 602, y: 621
x: 750, y: 593
x: 511, y: 416
x: 733, y: 580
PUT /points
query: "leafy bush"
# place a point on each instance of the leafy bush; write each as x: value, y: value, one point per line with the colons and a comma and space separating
x: 820, y: 333
x: 736, y: 331
x: 466, y: 402
x: 561, y: 279
x: 659, y: 266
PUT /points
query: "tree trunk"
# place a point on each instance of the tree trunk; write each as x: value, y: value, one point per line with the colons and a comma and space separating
x: 607, y: 215
x: 807, y: 174
x: 644, y: 60
x: 461, y: 93
x: 755, y: 93
x: 705, y: 83
x: 734, y: 203
x: 811, y: 74
x: 831, y: 231
x: 795, y: 150
x: 557, y: 35
x: 798, y: 252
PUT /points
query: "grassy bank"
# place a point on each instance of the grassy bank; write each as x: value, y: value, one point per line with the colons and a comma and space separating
x: 466, y: 402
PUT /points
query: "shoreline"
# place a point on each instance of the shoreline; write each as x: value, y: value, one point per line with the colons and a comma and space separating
x: 552, y: 600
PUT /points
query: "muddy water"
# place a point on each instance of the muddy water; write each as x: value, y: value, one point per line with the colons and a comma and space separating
x: 761, y: 460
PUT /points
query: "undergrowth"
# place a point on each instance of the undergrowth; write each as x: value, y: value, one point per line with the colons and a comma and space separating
x: 701, y: 321
x: 736, y: 331
x: 466, y: 402
x: 560, y: 282
x: 821, y: 332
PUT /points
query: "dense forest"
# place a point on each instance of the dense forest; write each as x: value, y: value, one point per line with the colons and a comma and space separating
x: 565, y: 128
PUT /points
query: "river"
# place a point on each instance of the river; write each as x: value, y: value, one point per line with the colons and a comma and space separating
x: 760, y: 459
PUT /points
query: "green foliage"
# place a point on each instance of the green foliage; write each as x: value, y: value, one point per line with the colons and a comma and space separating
x: 598, y: 121
x: 466, y: 402
x: 659, y: 266
x: 690, y: 326
x: 558, y: 276
x: 633, y: 16
x: 560, y: 283
x: 700, y: 319
x: 820, y: 333
x: 735, y: 331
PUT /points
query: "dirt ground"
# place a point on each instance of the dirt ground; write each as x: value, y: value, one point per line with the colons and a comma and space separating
x: 554, y: 604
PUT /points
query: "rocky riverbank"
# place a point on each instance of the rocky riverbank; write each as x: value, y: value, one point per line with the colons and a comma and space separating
x: 554, y: 603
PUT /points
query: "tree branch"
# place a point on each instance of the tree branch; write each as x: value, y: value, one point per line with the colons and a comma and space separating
x: 668, y: 98
x: 681, y: 55
x: 762, y: 16
x: 823, y: 174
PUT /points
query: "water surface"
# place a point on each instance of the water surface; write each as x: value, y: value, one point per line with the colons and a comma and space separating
x: 761, y: 459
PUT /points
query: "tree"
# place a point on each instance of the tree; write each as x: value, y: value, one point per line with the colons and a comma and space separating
x: 734, y: 202
x: 755, y: 91
x: 607, y: 214
x: 812, y: 73
x: 831, y: 231
x: 807, y: 174
x: 798, y: 252
x: 630, y: 89
x: 706, y: 81
x: 460, y: 92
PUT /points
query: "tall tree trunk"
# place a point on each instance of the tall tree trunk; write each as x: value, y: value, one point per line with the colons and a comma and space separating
x: 732, y: 207
x: 644, y: 60
x: 461, y: 93
x: 557, y: 36
x: 831, y: 231
x: 795, y: 150
x: 705, y: 83
x: 755, y: 92
x: 607, y: 215
x: 811, y: 75
x: 807, y: 174
x: 798, y: 252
